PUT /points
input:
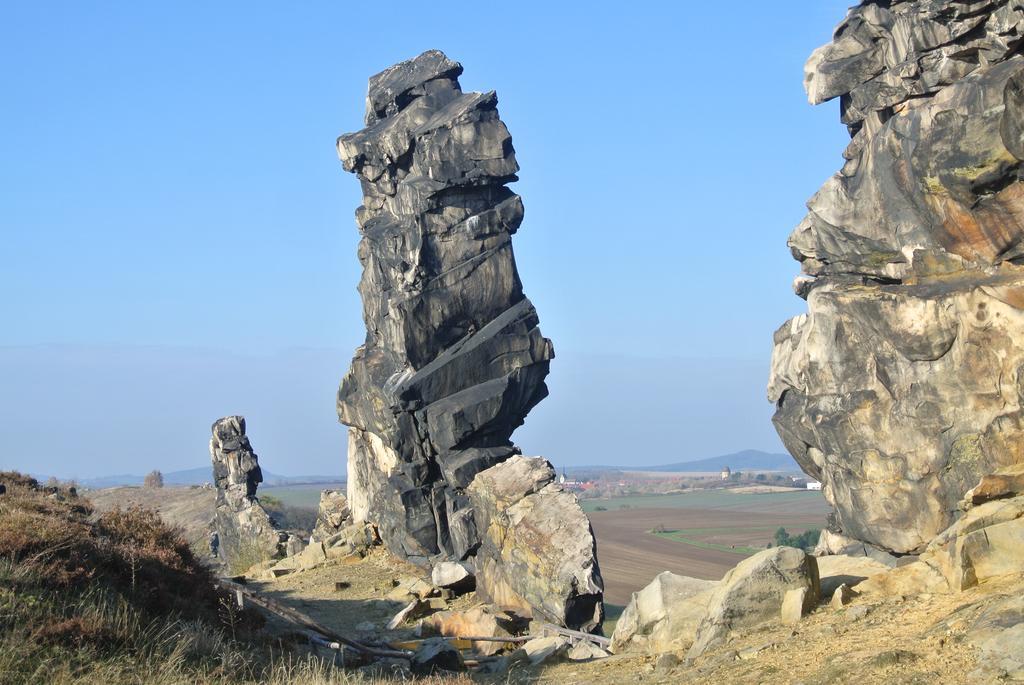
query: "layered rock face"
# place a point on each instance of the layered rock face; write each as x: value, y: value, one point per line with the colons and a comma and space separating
x: 903, y: 383
x: 453, y: 358
x: 537, y: 554
x: 247, y: 534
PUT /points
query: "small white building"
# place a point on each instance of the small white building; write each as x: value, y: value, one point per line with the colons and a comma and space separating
x: 813, y: 485
x: 726, y: 473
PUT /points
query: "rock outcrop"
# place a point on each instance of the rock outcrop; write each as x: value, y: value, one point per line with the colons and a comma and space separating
x: 903, y: 383
x: 247, y: 533
x: 453, y: 358
x: 332, y: 516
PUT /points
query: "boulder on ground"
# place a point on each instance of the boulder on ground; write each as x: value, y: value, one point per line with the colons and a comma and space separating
x: 986, y: 542
x: 481, y: 621
x: 542, y: 649
x: 584, y: 650
x: 453, y: 576
x: 753, y: 591
x: 835, y: 570
x: 436, y: 655
x: 912, y: 579
x: 663, y: 616
x: 537, y: 556
x: 842, y: 596
x: 794, y: 605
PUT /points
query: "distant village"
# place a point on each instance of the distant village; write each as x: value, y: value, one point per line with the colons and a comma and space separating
x: 607, y: 484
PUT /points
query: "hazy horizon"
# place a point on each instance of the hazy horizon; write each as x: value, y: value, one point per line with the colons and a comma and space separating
x: 193, y: 253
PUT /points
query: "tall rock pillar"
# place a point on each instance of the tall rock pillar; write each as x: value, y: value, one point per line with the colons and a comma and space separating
x: 453, y: 358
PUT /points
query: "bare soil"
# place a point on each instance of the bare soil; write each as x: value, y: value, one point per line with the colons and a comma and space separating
x: 630, y: 556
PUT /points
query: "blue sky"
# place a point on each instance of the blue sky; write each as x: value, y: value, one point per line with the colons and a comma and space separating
x: 179, y: 240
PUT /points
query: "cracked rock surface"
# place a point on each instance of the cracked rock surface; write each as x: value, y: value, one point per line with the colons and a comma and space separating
x: 902, y: 385
x: 453, y: 358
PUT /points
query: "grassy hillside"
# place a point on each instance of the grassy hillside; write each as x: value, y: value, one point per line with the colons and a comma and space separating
x: 120, y: 598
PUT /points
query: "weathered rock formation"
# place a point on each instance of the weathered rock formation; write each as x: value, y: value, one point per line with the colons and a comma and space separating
x: 903, y: 383
x: 753, y: 593
x: 453, y: 358
x: 332, y: 516
x: 247, y: 534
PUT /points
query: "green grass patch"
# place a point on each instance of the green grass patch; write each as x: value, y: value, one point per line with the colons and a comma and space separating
x: 683, y: 536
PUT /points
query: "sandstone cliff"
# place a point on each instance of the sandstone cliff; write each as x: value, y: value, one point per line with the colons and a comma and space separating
x: 903, y: 383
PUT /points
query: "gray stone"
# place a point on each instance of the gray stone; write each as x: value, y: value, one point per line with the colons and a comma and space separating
x: 537, y: 555
x: 452, y: 575
x: 753, y: 592
x: 585, y: 651
x: 247, y: 534
x: 542, y: 649
x: 436, y: 654
x: 333, y: 515
x: 666, y: 663
x: 903, y: 384
x: 453, y: 358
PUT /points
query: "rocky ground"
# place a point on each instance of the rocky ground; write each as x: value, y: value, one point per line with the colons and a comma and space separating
x: 877, y: 638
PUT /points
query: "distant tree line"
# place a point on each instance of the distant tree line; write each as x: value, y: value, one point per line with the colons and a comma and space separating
x: 804, y: 540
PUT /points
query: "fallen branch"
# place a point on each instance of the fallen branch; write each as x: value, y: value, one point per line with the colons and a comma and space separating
x: 329, y: 637
x: 602, y: 642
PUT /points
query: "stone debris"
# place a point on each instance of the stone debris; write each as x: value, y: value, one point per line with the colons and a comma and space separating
x: 901, y: 386
x: 247, y: 533
x: 481, y: 621
x: 543, y: 649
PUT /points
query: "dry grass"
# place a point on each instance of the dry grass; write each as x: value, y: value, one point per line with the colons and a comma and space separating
x: 120, y: 598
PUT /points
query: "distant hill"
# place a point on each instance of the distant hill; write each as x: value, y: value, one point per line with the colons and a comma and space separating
x: 747, y: 460
x: 197, y: 476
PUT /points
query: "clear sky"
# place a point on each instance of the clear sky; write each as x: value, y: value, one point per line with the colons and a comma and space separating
x: 179, y: 241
